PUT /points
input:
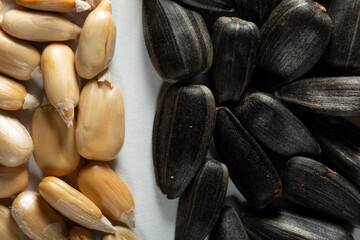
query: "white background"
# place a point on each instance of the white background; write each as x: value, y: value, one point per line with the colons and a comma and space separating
x: 134, y: 75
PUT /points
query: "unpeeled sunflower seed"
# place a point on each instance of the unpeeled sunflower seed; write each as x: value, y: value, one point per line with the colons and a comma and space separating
x: 18, y: 59
x: 336, y: 96
x: 200, y: 204
x: 13, y: 95
x: 256, y: 10
x: 212, y: 5
x: 13, y: 180
x: 177, y: 40
x: 235, y: 45
x: 286, y: 225
x: 122, y: 233
x: 293, y: 39
x: 97, y: 42
x: 112, y: 196
x: 73, y: 204
x: 37, y: 219
x: 272, y: 124
x: 16, y: 145
x: 100, y: 127
x: 250, y: 168
x: 60, y: 79
x: 80, y: 233
x: 228, y: 226
x: 39, y: 26
x: 54, y: 143
x: 343, y: 52
x: 181, y: 136
x: 61, y: 6
x: 313, y: 185
x: 340, y: 142
x: 8, y: 227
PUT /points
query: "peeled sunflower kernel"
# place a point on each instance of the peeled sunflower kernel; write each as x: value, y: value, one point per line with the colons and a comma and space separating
x: 1, y: 12
x: 60, y: 80
x: 97, y: 42
x: 80, y: 233
x: 39, y: 26
x: 122, y: 233
x: 61, y: 6
x: 100, y: 128
x: 112, y: 196
x: 18, y: 59
x: 8, y: 227
x: 54, y: 143
x: 16, y: 145
x: 13, y: 95
x: 12, y: 180
x: 73, y: 204
x: 37, y: 219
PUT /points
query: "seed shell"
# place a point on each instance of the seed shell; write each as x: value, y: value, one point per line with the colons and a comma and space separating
x: 200, y: 205
x: 272, y: 124
x: 293, y: 39
x: 250, y: 169
x: 313, y: 185
x: 235, y: 45
x: 336, y: 96
x: 177, y: 40
x: 229, y: 226
x: 181, y: 136
x: 287, y: 225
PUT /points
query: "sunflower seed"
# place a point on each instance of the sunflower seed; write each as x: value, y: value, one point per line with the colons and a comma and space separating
x: 212, y: 5
x: 200, y: 205
x: 250, y: 169
x: 293, y: 39
x: 343, y: 52
x: 315, y: 186
x: 177, y: 40
x: 286, y: 225
x: 235, y: 45
x: 272, y: 124
x: 340, y: 142
x: 228, y: 227
x: 336, y: 96
x: 183, y: 127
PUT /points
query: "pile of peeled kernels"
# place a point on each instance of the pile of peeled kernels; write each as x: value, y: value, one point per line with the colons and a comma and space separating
x: 68, y: 124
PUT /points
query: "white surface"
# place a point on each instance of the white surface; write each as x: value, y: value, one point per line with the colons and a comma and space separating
x: 134, y: 75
